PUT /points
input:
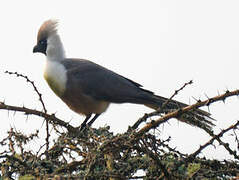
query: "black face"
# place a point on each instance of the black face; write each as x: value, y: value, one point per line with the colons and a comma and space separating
x: 40, y: 47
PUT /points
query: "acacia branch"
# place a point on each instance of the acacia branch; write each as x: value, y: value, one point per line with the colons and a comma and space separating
x: 175, y: 93
x: 33, y: 85
x: 52, y: 118
x: 41, y: 101
x: 217, y: 137
x: 179, y: 112
x: 146, y: 116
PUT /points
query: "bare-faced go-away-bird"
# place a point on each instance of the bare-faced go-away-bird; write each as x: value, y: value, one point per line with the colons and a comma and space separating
x: 88, y: 88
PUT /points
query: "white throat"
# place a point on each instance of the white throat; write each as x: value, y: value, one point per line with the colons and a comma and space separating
x: 55, y: 50
x: 55, y: 72
x: 56, y: 76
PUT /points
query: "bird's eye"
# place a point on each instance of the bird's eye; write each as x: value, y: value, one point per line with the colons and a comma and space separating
x: 42, y: 42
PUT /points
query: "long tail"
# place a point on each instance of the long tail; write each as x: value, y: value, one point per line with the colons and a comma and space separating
x: 195, y: 117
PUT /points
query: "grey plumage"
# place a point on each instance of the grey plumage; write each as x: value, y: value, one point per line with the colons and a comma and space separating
x: 105, y: 85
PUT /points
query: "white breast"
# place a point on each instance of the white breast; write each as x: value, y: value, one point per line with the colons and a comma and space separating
x: 56, y: 76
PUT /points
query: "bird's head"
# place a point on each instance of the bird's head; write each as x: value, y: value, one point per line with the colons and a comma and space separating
x: 49, y: 42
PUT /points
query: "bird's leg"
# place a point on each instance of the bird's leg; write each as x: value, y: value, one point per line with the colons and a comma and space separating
x: 93, y: 119
x: 82, y: 126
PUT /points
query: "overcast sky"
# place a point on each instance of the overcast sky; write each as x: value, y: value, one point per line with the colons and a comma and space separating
x: 159, y: 44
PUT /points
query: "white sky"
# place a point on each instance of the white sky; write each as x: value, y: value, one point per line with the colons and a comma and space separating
x: 160, y: 44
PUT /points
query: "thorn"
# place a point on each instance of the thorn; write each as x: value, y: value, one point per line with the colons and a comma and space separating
x: 189, y: 100
x: 27, y: 117
x: 43, y: 123
x: 224, y: 100
x: 208, y: 109
x: 163, y: 127
x: 206, y: 96
x: 194, y: 98
x: 214, y: 146
x: 209, y: 102
x: 69, y: 121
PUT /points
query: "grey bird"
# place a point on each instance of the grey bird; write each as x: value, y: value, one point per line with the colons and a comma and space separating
x: 88, y: 88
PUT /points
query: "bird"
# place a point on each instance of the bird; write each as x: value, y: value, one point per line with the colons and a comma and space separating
x: 88, y: 88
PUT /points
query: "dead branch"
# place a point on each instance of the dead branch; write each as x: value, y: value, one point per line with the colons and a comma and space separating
x: 216, y: 137
x: 53, y: 119
x: 41, y: 101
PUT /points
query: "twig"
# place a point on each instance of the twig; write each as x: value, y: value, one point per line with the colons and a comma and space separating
x: 167, y: 175
x: 146, y: 116
x: 179, y: 112
x: 175, y: 93
x: 41, y: 101
x: 33, y: 85
x: 215, y: 137
x: 52, y: 117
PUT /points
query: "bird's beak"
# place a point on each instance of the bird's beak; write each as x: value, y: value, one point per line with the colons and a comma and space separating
x: 36, y: 49
x: 39, y: 48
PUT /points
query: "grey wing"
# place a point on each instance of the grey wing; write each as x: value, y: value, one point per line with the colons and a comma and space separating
x: 103, y: 84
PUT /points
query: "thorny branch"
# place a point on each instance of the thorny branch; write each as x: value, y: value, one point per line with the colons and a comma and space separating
x: 99, y: 154
x: 217, y: 137
x: 226, y: 145
x: 52, y: 118
x: 41, y: 101
x: 157, y: 112
x: 175, y: 93
x: 33, y: 85
x: 179, y: 112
